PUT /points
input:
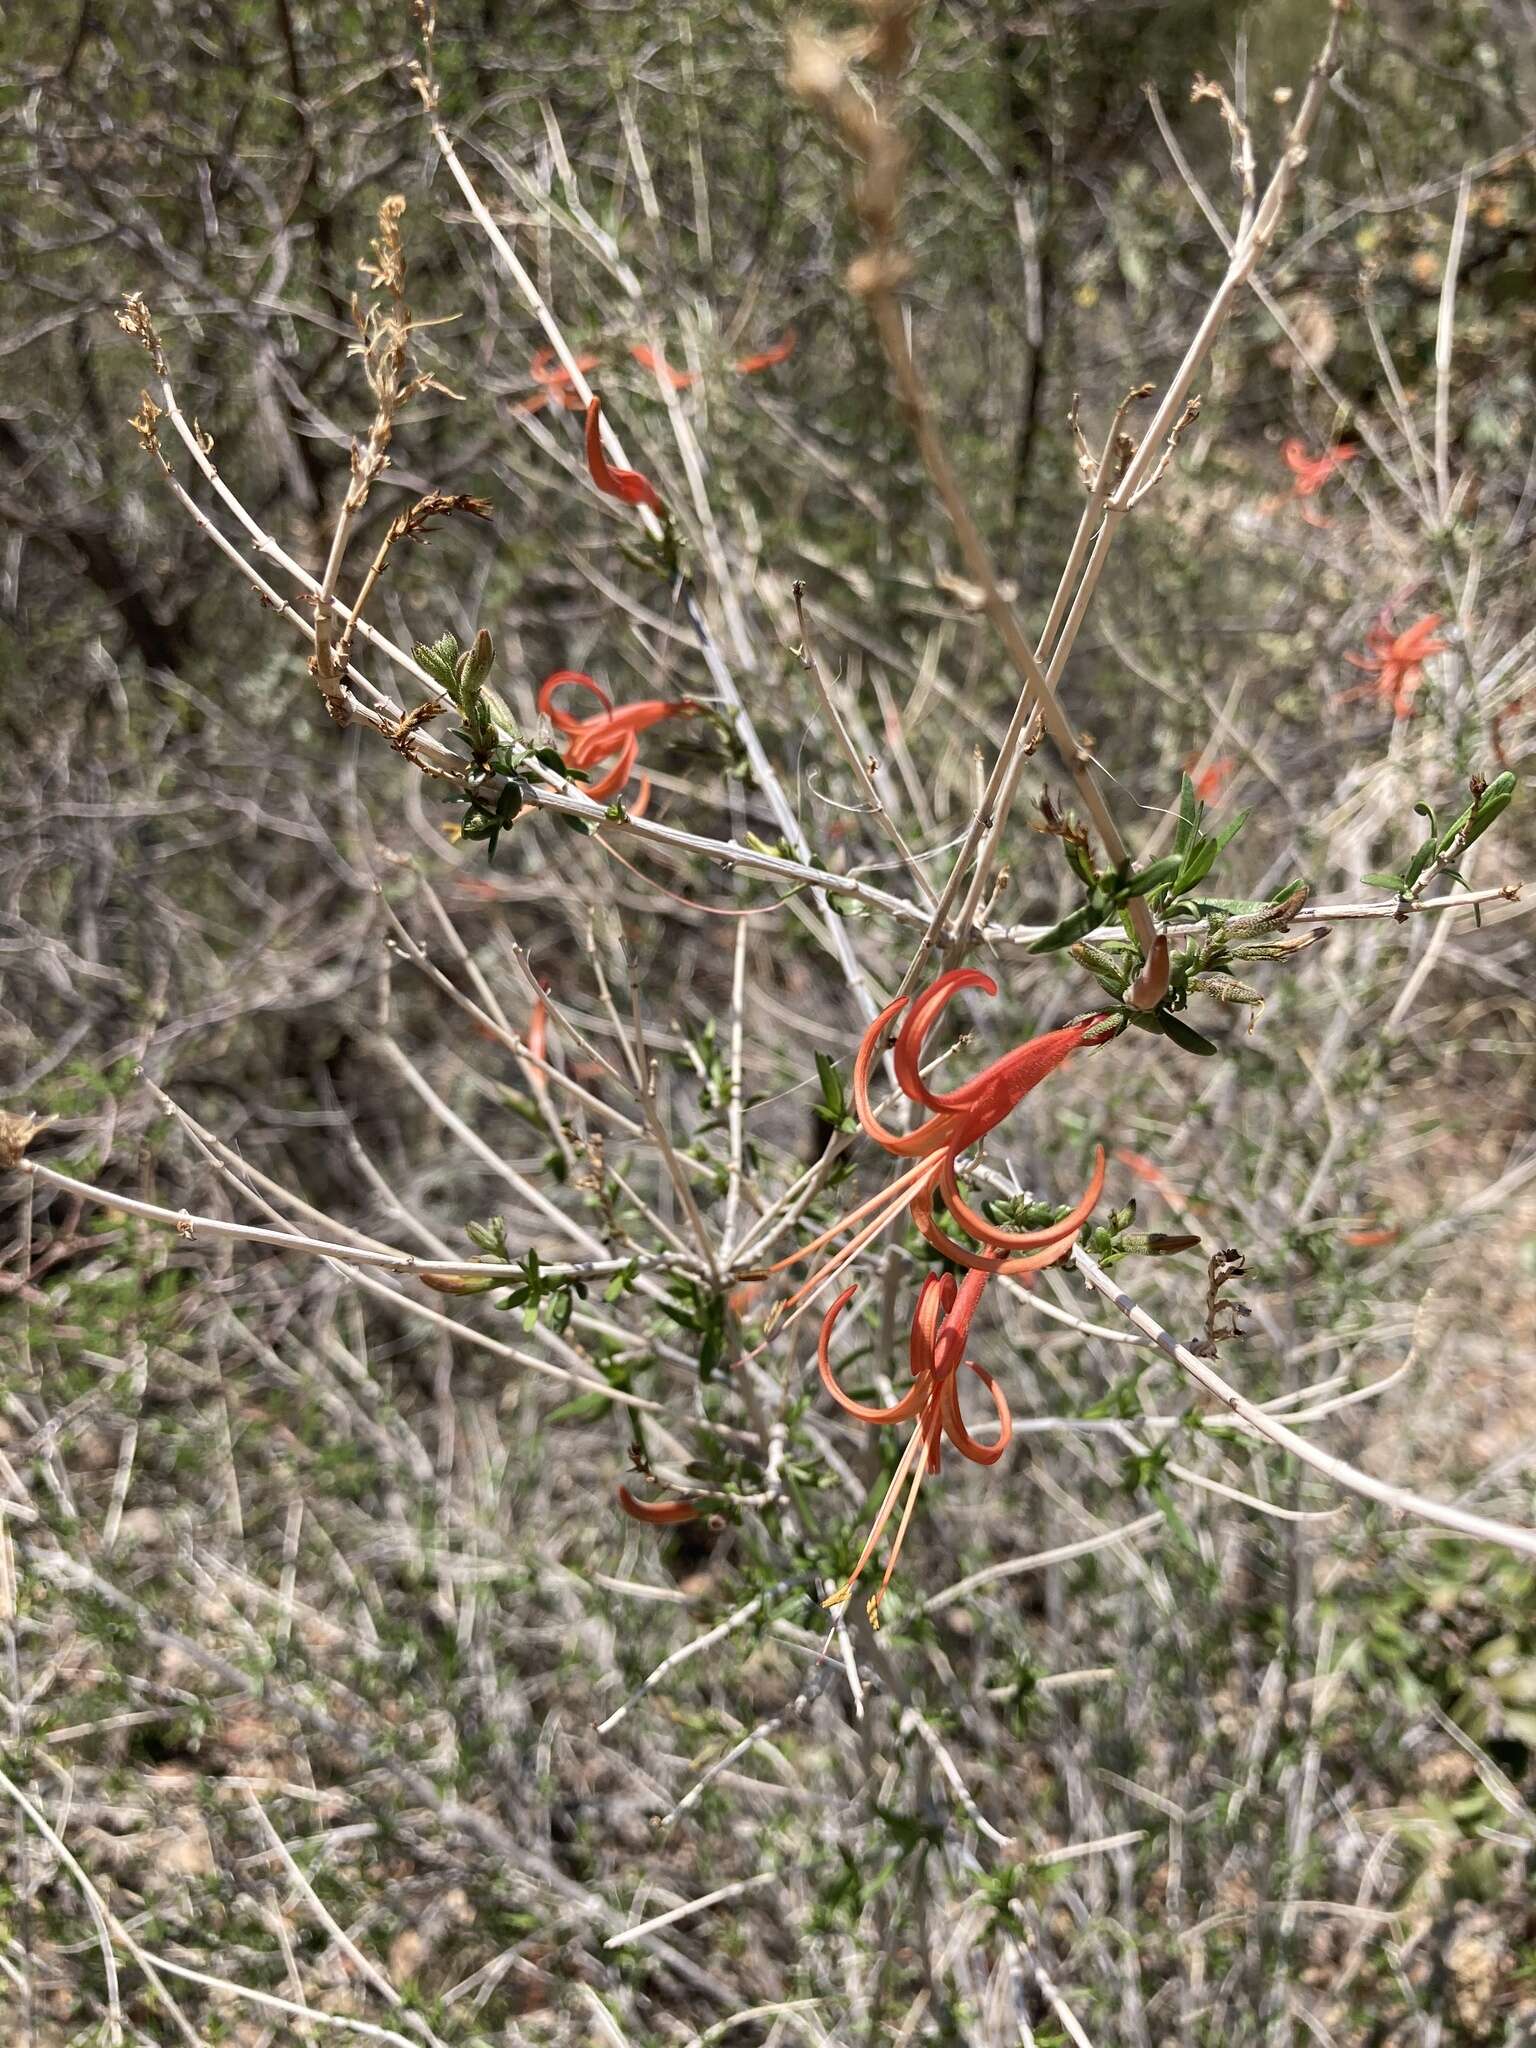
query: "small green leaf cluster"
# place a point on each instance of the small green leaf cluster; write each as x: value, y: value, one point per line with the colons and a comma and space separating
x: 1236, y: 934
x: 1163, y: 882
x: 1116, y: 1238
x: 1440, y: 850
x: 1238, y: 931
x: 542, y: 1297
x: 835, y: 1106
x: 462, y: 675
x: 700, y: 1310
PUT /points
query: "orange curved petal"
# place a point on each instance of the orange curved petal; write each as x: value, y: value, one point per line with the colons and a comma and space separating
x: 906, y: 1145
x: 954, y: 1421
x: 626, y: 484
x: 657, y: 1514
x: 907, y: 1406
x: 919, y: 1022
x: 563, y: 720
x: 988, y: 1233
x: 979, y: 1262
x: 610, y: 784
x: 935, y: 1300
x: 544, y: 370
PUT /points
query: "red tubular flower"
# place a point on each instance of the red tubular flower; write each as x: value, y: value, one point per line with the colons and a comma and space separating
x: 963, y: 1117
x: 939, y: 1331
x: 612, y: 734
x: 781, y: 351
x: 627, y: 484
x: 657, y: 1514
x: 1396, y: 661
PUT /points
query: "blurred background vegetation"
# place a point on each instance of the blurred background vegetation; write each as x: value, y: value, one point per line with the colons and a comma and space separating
x: 282, y: 1556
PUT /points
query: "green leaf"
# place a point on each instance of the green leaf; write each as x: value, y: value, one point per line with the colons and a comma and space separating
x: 1395, y: 883
x: 440, y: 662
x: 474, y: 665
x: 489, y: 1237
x: 1189, y: 816
x: 1494, y: 801
x: 1230, y: 830
x: 1185, y: 1037
x: 1157, y: 876
x: 1198, y: 863
x: 833, y: 1106
x: 1072, y: 928
x: 585, y: 1408
x: 621, y: 1282
x: 1419, y: 862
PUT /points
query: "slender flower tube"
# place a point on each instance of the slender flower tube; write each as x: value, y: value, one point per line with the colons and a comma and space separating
x: 962, y: 1118
x: 627, y: 484
x: 611, y: 734
x: 940, y: 1328
x: 657, y: 1514
x: 1396, y: 661
x: 1151, y: 984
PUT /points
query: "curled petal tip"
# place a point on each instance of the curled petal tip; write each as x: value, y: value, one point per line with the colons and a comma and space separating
x: 626, y: 484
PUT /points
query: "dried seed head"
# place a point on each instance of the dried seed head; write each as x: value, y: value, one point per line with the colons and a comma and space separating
x: 17, y: 1133
x: 143, y: 424
x: 818, y: 68
x: 133, y: 318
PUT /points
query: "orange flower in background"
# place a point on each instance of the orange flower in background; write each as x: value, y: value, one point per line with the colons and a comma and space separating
x: 963, y: 1117
x: 781, y: 351
x: 648, y: 359
x: 939, y: 1331
x: 1395, y: 661
x: 538, y: 1030
x: 1213, y: 778
x: 1313, y: 471
x: 559, y: 386
x: 611, y: 734
x: 1361, y: 1240
x: 627, y: 484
